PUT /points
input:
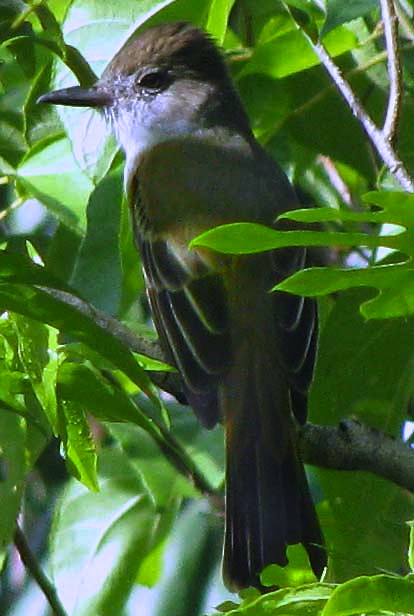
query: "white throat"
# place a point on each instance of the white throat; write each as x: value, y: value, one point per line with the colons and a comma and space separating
x: 135, y: 138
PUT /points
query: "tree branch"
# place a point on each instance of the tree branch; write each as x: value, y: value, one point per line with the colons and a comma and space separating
x: 32, y: 565
x: 167, y: 381
x: 352, y: 446
x: 383, y: 146
x: 390, y: 22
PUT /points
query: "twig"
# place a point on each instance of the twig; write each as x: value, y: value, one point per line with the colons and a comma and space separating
x: 382, y: 145
x: 168, y: 381
x: 353, y: 446
x: 357, y: 70
x: 405, y: 19
x: 31, y: 563
x: 390, y: 21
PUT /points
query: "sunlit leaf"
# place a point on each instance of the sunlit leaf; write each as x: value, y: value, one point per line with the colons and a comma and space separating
x: 52, y: 175
x: 78, y: 445
x: 37, y: 345
x: 371, y: 594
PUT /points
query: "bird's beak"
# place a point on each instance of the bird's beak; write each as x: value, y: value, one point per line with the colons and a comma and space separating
x: 77, y: 96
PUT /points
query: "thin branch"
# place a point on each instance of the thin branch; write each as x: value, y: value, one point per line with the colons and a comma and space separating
x: 390, y: 22
x: 357, y: 70
x: 32, y: 565
x: 405, y: 18
x: 168, y: 381
x: 352, y: 446
x: 381, y: 144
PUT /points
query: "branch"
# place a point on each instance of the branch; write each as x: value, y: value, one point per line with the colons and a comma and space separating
x: 390, y: 22
x: 167, y: 381
x: 352, y: 446
x: 32, y: 565
x: 381, y: 144
x: 349, y: 447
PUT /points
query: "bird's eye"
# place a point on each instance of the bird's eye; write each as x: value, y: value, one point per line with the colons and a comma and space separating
x: 155, y: 80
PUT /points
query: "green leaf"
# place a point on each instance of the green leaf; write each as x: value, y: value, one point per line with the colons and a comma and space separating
x: 79, y: 383
x: 411, y: 546
x: 12, y: 473
x: 301, y: 601
x: 50, y: 24
x: 196, y: 548
x: 51, y: 174
x: 42, y: 306
x: 330, y: 214
x: 39, y: 357
x: 398, y: 205
x: 99, y: 540
x: 297, y: 574
x: 218, y: 16
x: 18, y: 268
x: 249, y: 238
x: 371, y: 594
x: 78, y: 445
x: 395, y: 284
x: 288, y: 51
x: 364, y: 370
x: 97, y: 275
x: 339, y: 12
x: 163, y: 481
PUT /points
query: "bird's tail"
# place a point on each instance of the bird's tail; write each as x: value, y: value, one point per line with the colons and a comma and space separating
x: 268, y: 503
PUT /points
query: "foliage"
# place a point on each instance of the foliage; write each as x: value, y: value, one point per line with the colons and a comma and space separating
x: 131, y: 525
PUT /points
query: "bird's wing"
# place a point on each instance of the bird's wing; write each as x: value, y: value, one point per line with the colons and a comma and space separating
x: 297, y: 320
x: 190, y: 314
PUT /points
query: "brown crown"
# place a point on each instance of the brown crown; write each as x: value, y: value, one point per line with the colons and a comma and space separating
x: 177, y: 44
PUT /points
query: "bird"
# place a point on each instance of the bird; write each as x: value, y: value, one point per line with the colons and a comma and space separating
x: 245, y: 355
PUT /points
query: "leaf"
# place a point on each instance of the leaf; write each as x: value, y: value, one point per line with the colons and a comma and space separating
x: 12, y: 473
x: 298, y: 573
x: 39, y: 357
x: 51, y: 174
x: 99, y: 540
x: 395, y: 284
x: 371, y: 594
x: 196, y: 549
x: 79, y: 383
x: 301, y: 601
x: 288, y: 51
x: 339, y: 12
x: 79, y: 448
x: 218, y: 15
x: 330, y: 214
x: 364, y: 370
x: 411, y: 546
x: 97, y: 275
x: 43, y: 307
x: 50, y: 24
x: 249, y: 238
x: 18, y: 268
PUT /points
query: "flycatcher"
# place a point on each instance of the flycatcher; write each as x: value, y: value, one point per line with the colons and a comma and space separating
x: 245, y: 355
